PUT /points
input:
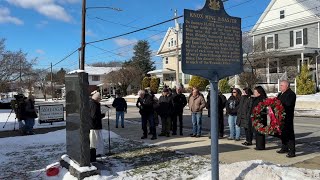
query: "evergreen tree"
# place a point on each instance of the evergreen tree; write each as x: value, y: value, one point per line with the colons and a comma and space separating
x: 199, y: 82
x: 142, y: 57
x: 146, y: 82
x: 223, y: 85
x: 304, y: 83
x: 154, y: 84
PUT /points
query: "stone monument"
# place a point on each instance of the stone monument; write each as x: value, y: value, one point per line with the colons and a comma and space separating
x: 78, y: 127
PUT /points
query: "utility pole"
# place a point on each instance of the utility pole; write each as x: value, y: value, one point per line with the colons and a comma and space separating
x: 20, y: 76
x: 83, y: 36
x: 177, y: 29
x: 51, y: 82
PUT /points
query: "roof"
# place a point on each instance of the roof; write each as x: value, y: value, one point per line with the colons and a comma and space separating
x: 97, y: 70
x: 311, y: 6
x: 162, y: 71
x: 165, y: 38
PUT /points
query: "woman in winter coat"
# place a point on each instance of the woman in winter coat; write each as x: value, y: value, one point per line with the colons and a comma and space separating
x: 232, y: 107
x: 259, y: 95
x: 244, y: 113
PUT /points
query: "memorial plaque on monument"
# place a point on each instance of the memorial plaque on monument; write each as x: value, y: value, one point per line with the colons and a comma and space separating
x: 77, y: 118
x: 211, y: 42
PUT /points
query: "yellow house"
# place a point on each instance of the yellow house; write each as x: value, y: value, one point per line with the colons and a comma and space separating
x: 170, y: 53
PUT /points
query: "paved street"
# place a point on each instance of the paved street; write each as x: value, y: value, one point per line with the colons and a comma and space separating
x: 307, y: 135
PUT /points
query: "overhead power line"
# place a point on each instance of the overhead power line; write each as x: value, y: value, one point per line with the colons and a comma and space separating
x: 134, y: 31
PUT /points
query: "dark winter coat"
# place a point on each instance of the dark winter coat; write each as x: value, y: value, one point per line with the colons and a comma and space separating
x: 120, y: 104
x: 288, y: 100
x: 232, y: 105
x: 221, y: 104
x: 244, y: 113
x: 145, y: 104
x: 165, y: 106
x: 30, y: 111
x: 254, y: 103
x: 95, y: 114
x: 179, y: 102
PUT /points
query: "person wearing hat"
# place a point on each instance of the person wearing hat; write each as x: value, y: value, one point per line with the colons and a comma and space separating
x: 165, y: 111
x: 96, y: 138
x: 30, y: 115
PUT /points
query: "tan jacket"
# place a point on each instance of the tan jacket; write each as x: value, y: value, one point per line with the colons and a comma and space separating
x: 196, y: 104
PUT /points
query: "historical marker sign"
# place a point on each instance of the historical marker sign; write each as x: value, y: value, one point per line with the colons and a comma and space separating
x: 212, y: 42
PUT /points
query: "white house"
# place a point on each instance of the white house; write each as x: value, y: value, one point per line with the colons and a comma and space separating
x: 288, y: 35
x: 170, y: 52
x: 96, y: 76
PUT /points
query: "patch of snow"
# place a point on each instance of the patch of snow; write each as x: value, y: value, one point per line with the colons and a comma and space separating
x: 258, y: 169
x: 13, y: 123
x: 76, y: 166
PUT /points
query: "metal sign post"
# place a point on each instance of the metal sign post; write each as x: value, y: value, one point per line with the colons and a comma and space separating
x: 214, y: 128
x: 212, y: 48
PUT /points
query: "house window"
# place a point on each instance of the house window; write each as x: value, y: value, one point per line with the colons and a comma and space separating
x: 282, y: 14
x: 95, y: 78
x: 187, y: 78
x: 270, y: 42
x: 169, y: 44
x: 167, y: 60
x: 171, y: 41
x: 175, y: 42
x: 298, y: 37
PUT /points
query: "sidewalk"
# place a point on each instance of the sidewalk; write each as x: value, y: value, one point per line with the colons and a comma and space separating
x: 229, y: 151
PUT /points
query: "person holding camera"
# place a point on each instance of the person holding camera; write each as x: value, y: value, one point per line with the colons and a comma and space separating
x: 29, y: 115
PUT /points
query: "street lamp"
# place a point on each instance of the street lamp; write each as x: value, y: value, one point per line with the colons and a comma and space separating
x: 83, y: 34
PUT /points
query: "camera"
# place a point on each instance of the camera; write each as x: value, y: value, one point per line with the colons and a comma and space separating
x: 18, y: 105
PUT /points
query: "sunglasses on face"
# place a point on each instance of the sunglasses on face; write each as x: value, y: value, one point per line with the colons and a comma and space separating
x: 234, y: 92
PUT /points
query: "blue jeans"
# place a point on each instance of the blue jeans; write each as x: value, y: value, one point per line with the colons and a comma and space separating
x: 196, y: 123
x: 234, y: 129
x: 29, y: 123
x: 145, y: 119
x: 121, y: 115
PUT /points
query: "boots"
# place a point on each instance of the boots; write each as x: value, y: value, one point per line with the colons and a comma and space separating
x: 93, y: 155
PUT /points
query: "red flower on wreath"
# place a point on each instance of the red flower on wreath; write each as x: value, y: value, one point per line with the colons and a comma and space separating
x: 275, y: 112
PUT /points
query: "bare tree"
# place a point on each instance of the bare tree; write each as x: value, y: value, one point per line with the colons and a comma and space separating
x: 123, y: 78
x: 14, y: 68
x: 255, y: 58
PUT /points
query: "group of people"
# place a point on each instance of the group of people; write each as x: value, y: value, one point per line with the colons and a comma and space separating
x: 169, y: 107
x: 239, y: 108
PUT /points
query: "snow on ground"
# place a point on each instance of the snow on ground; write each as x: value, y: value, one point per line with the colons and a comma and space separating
x: 27, y: 157
x: 4, y: 116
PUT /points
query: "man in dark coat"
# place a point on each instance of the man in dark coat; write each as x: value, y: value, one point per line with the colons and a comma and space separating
x: 179, y: 102
x: 145, y: 104
x: 288, y: 100
x: 121, y: 107
x: 221, y: 106
x: 165, y: 111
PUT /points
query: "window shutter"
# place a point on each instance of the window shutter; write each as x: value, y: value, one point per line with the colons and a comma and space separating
x: 291, y: 38
x: 276, y: 41
x: 305, y: 36
x: 263, y: 43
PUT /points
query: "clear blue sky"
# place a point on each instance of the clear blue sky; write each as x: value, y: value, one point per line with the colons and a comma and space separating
x: 51, y: 29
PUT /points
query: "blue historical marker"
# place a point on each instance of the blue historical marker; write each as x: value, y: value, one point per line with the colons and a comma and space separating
x: 212, y: 48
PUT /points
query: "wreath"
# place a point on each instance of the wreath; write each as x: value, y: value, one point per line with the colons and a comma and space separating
x: 275, y: 111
